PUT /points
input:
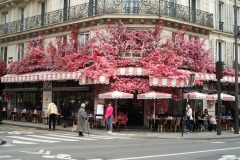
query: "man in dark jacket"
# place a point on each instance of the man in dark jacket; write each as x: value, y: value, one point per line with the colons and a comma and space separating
x: 65, y: 112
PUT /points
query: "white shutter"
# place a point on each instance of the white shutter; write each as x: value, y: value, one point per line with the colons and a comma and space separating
x: 212, y: 47
x: 228, y: 54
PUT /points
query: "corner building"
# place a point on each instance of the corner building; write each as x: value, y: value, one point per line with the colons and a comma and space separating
x: 23, y: 21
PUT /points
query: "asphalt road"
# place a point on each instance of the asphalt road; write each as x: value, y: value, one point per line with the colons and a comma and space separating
x: 34, y: 144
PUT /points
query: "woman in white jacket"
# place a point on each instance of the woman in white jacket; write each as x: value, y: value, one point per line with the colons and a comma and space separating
x: 189, y: 118
x: 52, y: 112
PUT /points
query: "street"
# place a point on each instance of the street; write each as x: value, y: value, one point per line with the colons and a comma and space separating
x: 37, y: 144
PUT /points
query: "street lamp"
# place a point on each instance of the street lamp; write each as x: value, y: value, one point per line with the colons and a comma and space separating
x: 190, y: 84
x: 236, y: 114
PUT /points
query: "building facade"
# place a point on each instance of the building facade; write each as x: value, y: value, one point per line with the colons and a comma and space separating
x: 24, y: 21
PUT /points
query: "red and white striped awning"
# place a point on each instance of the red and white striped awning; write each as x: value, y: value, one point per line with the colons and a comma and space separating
x: 115, y: 95
x: 230, y: 79
x: 205, y: 76
x: 27, y: 77
x: 194, y: 95
x: 58, y: 75
x: 41, y: 76
x: 167, y: 82
x: 224, y: 97
x: 100, y: 80
x: 131, y: 71
x: 154, y: 95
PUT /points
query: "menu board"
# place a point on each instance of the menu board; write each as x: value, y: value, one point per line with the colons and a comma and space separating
x: 100, y: 111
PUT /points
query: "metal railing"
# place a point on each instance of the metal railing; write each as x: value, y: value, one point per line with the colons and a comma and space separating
x: 101, y: 7
x: 221, y: 25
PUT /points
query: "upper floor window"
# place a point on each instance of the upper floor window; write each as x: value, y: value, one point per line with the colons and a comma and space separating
x: 5, y: 21
x: 3, y: 54
x: 66, y: 5
x: 238, y: 49
x: 83, y: 38
x: 42, y: 9
x: 219, y: 51
x: 20, y: 51
x: 92, y: 7
x: 132, y: 6
x: 21, y: 11
x: 21, y: 14
x: 220, y: 14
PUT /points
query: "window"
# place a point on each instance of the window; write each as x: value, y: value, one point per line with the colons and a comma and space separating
x: 234, y: 54
x: 43, y: 8
x: 219, y: 50
x: 66, y: 5
x: 3, y: 54
x: 192, y: 9
x: 132, y: 6
x: 5, y: 22
x: 220, y: 14
x: 92, y: 7
x: 169, y: 8
x: 83, y: 38
x: 21, y: 14
x: 20, y: 51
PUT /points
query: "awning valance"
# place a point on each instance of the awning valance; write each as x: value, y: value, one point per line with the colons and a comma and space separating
x: 167, y: 82
x: 131, y: 71
x: 41, y: 76
x: 205, y: 76
x: 99, y: 80
x: 58, y: 75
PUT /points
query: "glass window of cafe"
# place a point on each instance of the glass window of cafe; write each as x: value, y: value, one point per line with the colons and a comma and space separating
x: 72, y: 98
x: 26, y: 96
x: 26, y: 100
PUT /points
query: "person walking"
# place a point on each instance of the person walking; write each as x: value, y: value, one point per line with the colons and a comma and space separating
x: 1, y: 109
x: 65, y: 112
x: 82, y: 120
x: 109, y: 117
x: 189, y: 118
x: 52, y: 112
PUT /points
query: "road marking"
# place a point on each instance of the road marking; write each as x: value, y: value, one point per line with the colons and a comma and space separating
x: 32, y: 139
x: 218, y: 142
x: 53, y: 138
x: 79, y: 138
x: 176, y: 154
x: 5, y: 156
x: 39, y: 152
x: 22, y: 142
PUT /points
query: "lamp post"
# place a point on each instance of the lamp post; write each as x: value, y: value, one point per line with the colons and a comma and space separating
x: 190, y: 84
x: 236, y: 114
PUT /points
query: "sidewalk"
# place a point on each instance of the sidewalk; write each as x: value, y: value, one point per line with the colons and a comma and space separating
x: 137, y: 133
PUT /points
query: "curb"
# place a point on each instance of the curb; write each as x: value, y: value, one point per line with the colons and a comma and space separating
x: 146, y: 135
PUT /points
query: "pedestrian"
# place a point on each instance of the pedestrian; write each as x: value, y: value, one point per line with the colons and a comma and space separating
x: 82, y: 120
x: 65, y: 112
x: 52, y: 112
x: 109, y: 117
x: 1, y: 109
x: 212, y: 123
x: 189, y: 118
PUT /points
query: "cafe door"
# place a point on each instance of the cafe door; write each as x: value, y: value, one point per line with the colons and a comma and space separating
x: 134, y: 108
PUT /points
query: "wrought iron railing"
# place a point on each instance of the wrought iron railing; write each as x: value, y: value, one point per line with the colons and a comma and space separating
x: 221, y: 25
x: 154, y: 7
x: 238, y: 29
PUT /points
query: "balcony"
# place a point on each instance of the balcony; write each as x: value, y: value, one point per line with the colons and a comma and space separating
x: 113, y: 7
x: 221, y: 25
